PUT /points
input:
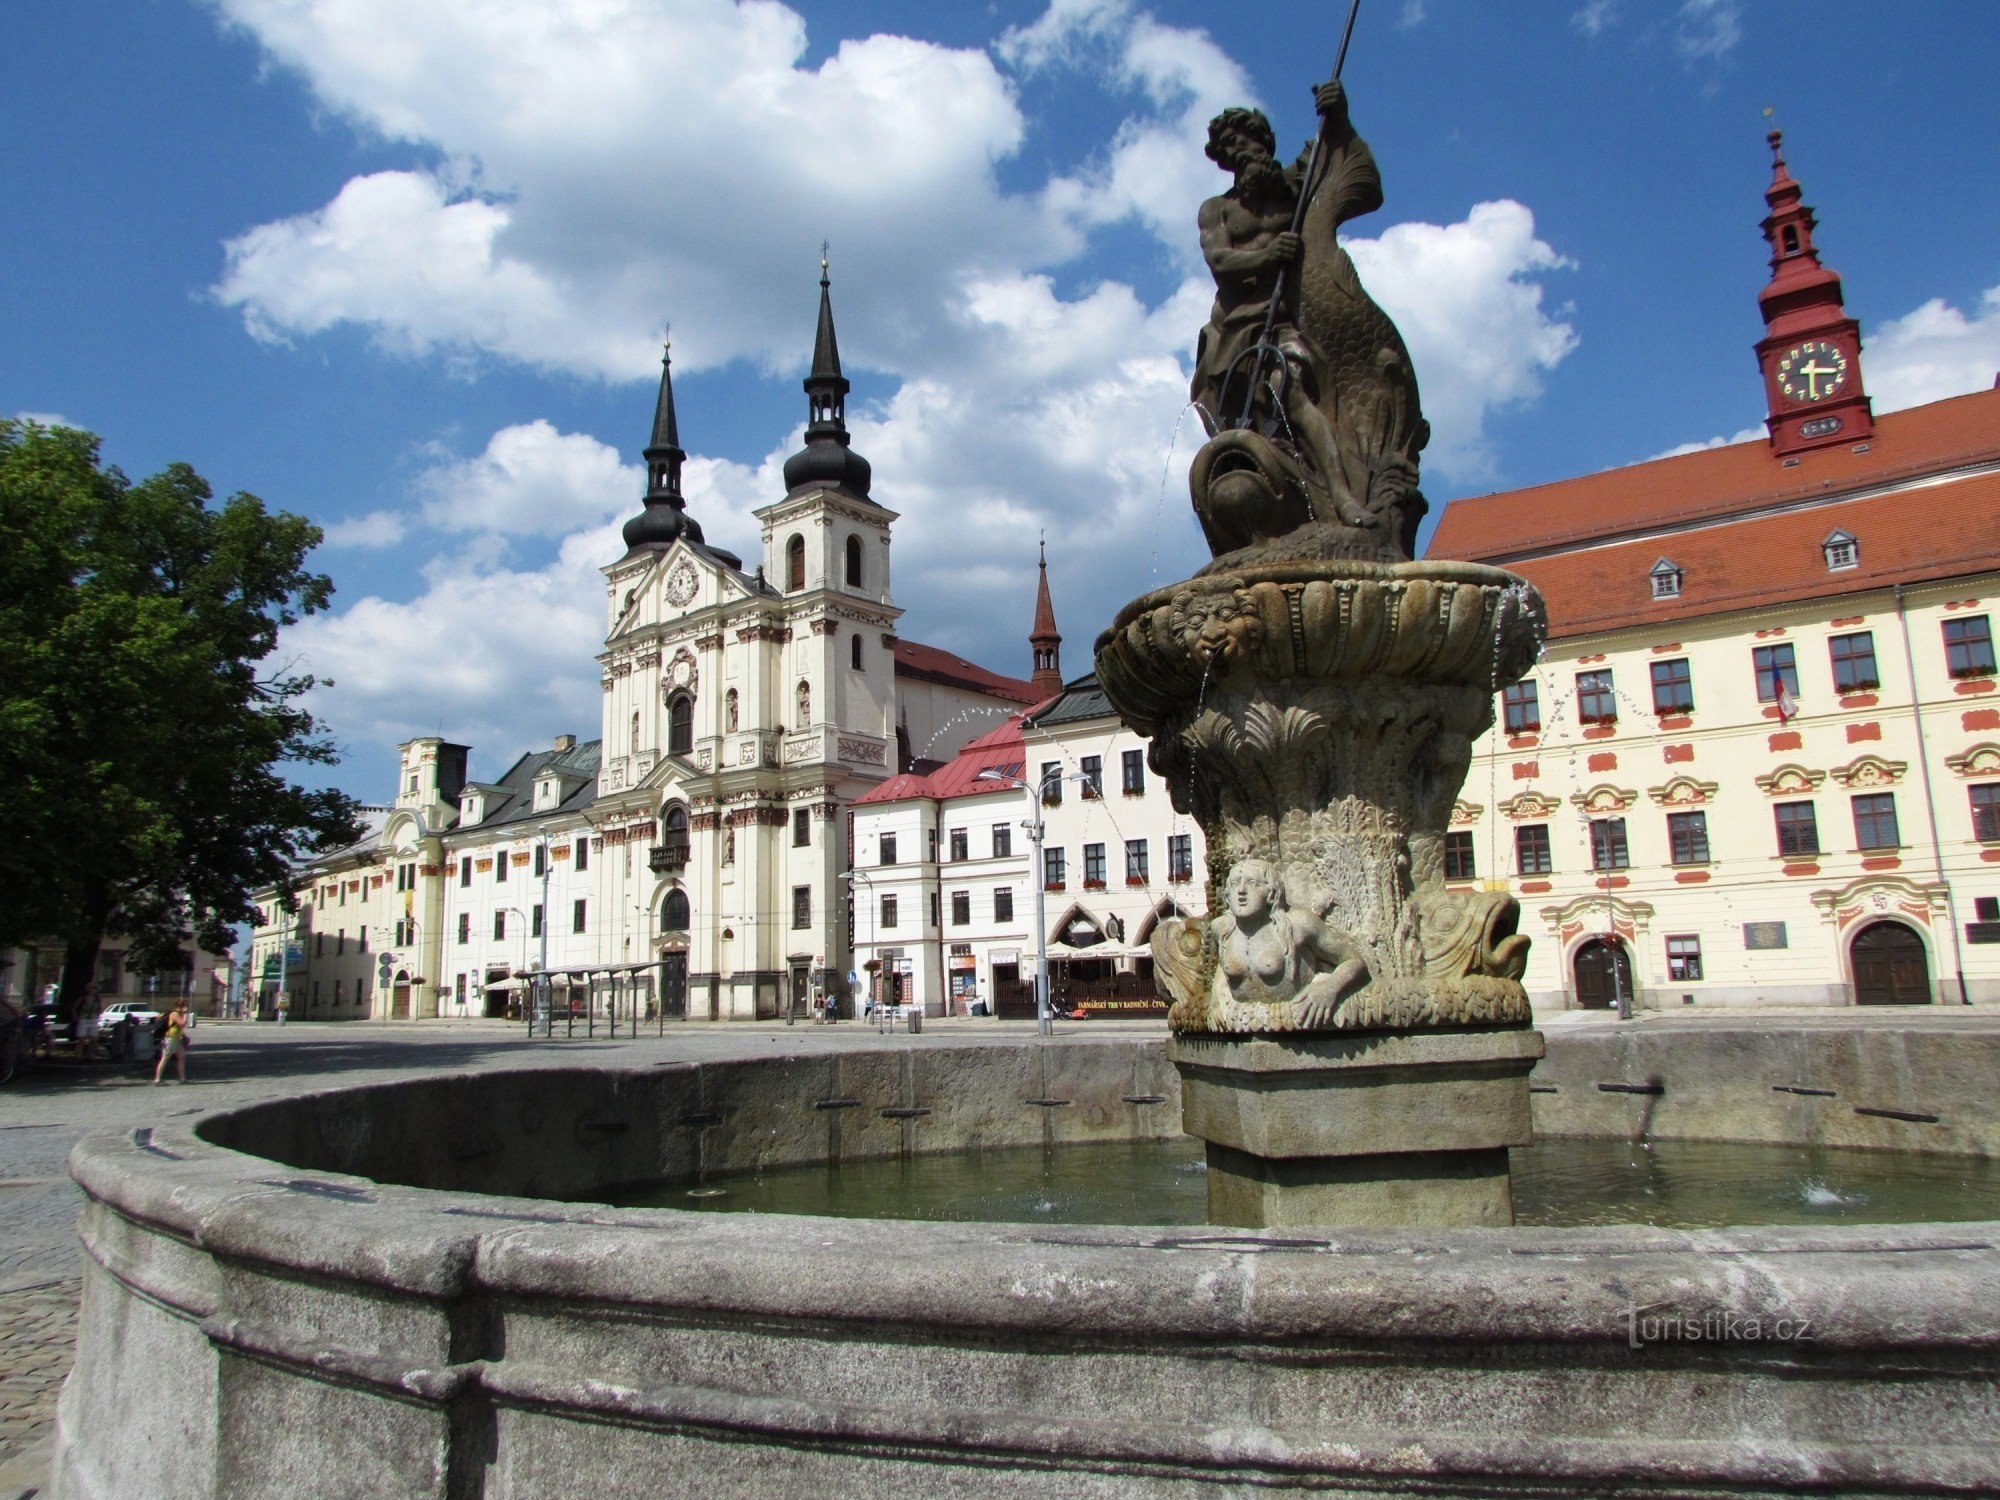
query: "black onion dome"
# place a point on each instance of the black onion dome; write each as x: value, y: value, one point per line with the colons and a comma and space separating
x: 829, y: 463
x: 660, y: 525
x: 826, y: 460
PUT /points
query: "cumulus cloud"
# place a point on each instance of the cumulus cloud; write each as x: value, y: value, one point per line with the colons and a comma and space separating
x: 531, y: 480
x: 44, y: 418
x: 1596, y: 17
x: 1747, y: 435
x: 376, y: 529
x: 1708, y: 31
x: 1934, y: 352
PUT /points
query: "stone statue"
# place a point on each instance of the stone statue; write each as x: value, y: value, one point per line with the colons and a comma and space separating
x: 1350, y: 1029
x: 1316, y: 442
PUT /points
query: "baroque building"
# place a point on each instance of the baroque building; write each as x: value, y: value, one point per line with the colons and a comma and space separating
x: 689, y: 860
x: 1759, y: 761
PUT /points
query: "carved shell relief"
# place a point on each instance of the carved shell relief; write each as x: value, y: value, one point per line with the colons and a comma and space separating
x: 1604, y: 798
x: 1870, y: 770
x: 1980, y: 760
x: 1464, y: 814
x: 1790, y: 781
x: 1683, y: 791
x: 1525, y: 807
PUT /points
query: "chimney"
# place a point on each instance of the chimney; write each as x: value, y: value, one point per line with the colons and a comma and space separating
x: 565, y: 742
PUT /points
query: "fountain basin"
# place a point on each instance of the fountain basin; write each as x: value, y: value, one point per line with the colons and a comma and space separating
x: 362, y: 1309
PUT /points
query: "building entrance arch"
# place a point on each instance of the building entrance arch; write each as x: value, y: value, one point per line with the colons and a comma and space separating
x: 1603, y: 969
x: 1890, y: 966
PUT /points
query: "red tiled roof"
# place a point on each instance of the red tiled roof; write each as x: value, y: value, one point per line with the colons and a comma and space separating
x: 998, y: 749
x: 1936, y: 530
x: 1671, y: 492
x: 930, y: 664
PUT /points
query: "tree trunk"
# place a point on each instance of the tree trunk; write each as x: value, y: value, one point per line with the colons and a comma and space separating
x: 79, y: 972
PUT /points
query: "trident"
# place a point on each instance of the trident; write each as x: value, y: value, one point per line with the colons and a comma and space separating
x: 1265, y: 352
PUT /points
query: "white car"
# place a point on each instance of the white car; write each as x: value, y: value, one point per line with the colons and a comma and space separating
x: 119, y: 1010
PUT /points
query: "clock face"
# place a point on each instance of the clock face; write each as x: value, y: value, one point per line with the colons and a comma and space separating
x: 681, y: 583
x: 1812, y: 372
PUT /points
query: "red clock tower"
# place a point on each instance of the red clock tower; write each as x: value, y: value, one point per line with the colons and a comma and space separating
x: 1811, y: 350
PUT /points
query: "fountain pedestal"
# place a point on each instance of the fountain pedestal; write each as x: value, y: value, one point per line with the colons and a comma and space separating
x: 1406, y: 1128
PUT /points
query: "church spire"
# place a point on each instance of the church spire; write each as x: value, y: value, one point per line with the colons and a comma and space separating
x: 827, y: 460
x: 1044, y: 640
x: 664, y: 520
x: 1811, y: 349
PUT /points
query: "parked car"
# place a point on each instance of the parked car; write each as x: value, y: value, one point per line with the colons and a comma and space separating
x: 139, y: 1010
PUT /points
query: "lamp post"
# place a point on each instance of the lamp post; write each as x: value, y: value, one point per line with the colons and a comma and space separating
x: 850, y: 877
x: 1036, y: 790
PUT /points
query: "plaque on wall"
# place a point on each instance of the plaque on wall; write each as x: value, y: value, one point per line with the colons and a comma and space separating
x: 1765, y: 935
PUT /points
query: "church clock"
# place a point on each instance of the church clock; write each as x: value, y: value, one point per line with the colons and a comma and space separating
x: 1812, y: 371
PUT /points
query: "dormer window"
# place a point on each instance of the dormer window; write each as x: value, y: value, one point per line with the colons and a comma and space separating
x: 471, y: 808
x: 1842, y: 551
x: 1666, y: 580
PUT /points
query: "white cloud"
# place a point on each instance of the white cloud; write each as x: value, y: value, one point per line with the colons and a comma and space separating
x: 378, y: 528
x: 1708, y: 31
x: 531, y: 480
x: 44, y: 418
x: 1747, y: 435
x: 1471, y: 311
x: 1934, y: 352
x: 1412, y: 14
x: 1595, y: 17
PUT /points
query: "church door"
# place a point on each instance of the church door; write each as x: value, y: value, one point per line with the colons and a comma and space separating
x: 1890, y: 967
x: 1603, y: 973
x: 674, y: 986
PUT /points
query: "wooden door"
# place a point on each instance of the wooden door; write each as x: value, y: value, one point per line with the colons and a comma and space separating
x: 1603, y: 973
x: 1890, y: 967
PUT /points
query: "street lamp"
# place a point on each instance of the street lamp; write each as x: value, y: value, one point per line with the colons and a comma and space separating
x: 1036, y: 790
x: 855, y: 936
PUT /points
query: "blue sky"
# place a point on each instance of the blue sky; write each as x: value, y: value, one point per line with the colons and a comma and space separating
x: 404, y: 268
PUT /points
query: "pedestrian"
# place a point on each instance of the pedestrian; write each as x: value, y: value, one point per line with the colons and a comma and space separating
x: 174, y: 1043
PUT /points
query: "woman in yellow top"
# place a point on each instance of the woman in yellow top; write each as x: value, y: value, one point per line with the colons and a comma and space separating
x: 174, y: 1044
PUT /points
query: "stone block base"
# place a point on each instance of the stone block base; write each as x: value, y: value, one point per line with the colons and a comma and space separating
x: 1408, y: 1128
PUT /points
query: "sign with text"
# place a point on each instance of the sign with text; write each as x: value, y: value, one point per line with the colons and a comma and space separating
x: 1765, y: 935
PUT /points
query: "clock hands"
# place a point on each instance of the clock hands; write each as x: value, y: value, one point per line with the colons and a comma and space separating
x: 1812, y: 372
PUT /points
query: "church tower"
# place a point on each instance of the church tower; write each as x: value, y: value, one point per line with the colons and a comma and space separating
x: 1044, y: 640
x: 1811, y: 350
x: 664, y: 518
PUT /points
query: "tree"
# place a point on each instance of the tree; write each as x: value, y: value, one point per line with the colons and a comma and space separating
x: 141, y: 739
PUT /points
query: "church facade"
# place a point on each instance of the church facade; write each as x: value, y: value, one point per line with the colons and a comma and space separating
x: 688, y: 861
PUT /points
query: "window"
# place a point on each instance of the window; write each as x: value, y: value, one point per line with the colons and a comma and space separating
x: 340, y: 942
x: 1776, y: 670
x: 1458, y: 858
x: 1054, y: 870
x: 888, y: 912
x: 1180, y: 856
x: 1093, y: 867
x: 795, y: 564
x: 1683, y: 959
x: 500, y: 866
x: 578, y: 917
x: 675, y: 913
x: 1798, y: 828
x: 1985, y: 810
x: 1673, y: 688
x: 1051, y: 783
x: 854, y: 562
x: 961, y: 908
x: 1968, y: 647
x: 541, y: 860
x: 1003, y: 840
x: 888, y: 849
x: 499, y: 925
x: 1531, y: 849
x: 1607, y: 844
x: 582, y: 853
x: 1841, y: 550
x: 1003, y: 905
x: 802, y: 833
x: 1092, y: 767
x: 680, y: 725
x: 934, y: 909
x: 464, y: 928
x: 1666, y: 580
x: 674, y: 842
x: 1596, y: 698
x: 1133, y: 773
x: 1854, y: 662
x: 458, y: 990
x: 361, y: 941
x: 1137, y: 862
x: 1687, y: 837
x: 960, y: 846
x: 406, y: 930
x: 1521, y: 708
x: 931, y: 845
x: 1875, y: 821
x: 802, y: 907
x: 319, y: 947
x: 534, y: 921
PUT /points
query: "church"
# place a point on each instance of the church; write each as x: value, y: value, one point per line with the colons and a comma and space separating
x: 690, y: 861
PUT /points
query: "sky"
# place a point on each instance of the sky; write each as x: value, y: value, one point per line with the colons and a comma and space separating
x: 405, y: 269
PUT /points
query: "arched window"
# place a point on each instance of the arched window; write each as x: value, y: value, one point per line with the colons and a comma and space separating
x: 854, y: 651
x: 1791, y: 240
x: 805, y: 705
x: 854, y: 562
x: 674, y: 916
x: 729, y: 707
x: 680, y: 725
x: 795, y: 564
x: 635, y: 731
x: 674, y: 836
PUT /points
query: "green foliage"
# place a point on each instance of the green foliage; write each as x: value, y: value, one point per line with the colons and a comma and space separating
x: 141, y: 739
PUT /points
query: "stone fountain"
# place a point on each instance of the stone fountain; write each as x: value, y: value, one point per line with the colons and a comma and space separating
x: 1352, y: 1035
